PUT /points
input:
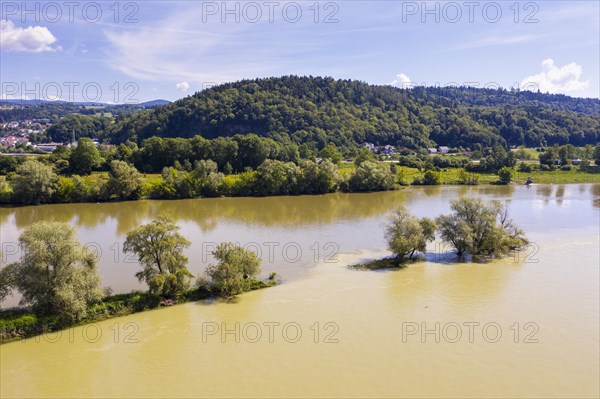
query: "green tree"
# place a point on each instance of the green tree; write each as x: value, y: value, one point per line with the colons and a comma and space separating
x: 319, y: 178
x: 278, y: 178
x: 505, y: 175
x: 236, y: 269
x: 85, y: 157
x: 364, y: 154
x: 330, y: 151
x: 597, y: 155
x: 480, y: 228
x: 431, y: 178
x: 56, y: 274
x: 565, y: 153
x: 125, y: 182
x: 549, y: 156
x: 207, y: 178
x: 177, y: 184
x: 371, y: 176
x: 406, y: 234
x: 468, y: 178
x: 34, y: 183
x: 6, y: 281
x: 159, y: 248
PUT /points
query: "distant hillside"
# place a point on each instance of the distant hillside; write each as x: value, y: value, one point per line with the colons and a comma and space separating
x: 155, y: 103
x: 38, y: 109
x: 347, y: 113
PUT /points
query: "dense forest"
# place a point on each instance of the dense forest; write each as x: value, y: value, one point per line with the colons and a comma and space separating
x: 319, y: 111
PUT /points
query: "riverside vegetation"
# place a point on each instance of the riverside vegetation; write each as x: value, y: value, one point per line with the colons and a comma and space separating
x: 59, y: 283
x: 254, y: 166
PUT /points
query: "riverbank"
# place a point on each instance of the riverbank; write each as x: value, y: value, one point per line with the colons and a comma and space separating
x: 452, y: 176
x: 19, y: 323
x: 235, y: 185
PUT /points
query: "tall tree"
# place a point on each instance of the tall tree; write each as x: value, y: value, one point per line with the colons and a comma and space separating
x: 34, y: 183
x: 407, y: 235
x: 125, y: 182
x: 236, y: 268
x: 85, y: 157
x: 56, y: 274
x: 480, y: 228
x: 159, y: 248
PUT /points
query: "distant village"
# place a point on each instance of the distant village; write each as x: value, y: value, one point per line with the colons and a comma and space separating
x: 391, y: 150
x: 17, y: 134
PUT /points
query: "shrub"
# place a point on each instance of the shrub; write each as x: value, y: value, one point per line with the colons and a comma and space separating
x: 505, y: 175
x: 525, y: 167
x: 467, y: 178
x: 430, y: 178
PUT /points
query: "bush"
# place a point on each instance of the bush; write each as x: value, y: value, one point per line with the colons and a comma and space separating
x: 430, y: 178
x: 16, y: 323
x: 467, y: 178
x: 410, y: 162
x: 525, y: 167
x: 566, y: 167
x: 505, y: 175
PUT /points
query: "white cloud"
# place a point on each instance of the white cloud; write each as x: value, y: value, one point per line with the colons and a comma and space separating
x: 182, y: 86
x: 402, y: 81
x: 554, y: 79
x: 181, y: 50
x: 34, y: 39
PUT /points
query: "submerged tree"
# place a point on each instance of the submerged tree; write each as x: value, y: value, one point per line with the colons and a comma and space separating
x: 56, y: 274
x: 407, y: 235
x: 480, y: 228
x: 236, y: 269
x: 159, y: 248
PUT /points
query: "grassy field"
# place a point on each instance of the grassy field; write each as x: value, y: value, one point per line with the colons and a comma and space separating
x: 533, y: 154
x: 451, y: 175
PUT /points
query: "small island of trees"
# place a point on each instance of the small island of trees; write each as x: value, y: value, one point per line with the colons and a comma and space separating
x: 477, y: 229
x: 60, y: 285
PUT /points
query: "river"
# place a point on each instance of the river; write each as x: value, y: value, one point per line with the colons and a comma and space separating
x: 524, y: 326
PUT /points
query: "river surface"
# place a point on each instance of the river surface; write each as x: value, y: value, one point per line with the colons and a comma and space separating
x: 524, y: 326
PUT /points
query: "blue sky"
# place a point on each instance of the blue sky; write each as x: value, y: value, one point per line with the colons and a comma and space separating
x: 138, y: 51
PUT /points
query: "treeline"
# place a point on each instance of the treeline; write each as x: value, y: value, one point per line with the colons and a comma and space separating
x: 54, y: 110
x: 318, y: 111
x: 35, y: 182
x: 59, y: 282
x: 65, y: 175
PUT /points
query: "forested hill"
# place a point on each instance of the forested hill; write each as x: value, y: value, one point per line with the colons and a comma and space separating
x: 346, y: 113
